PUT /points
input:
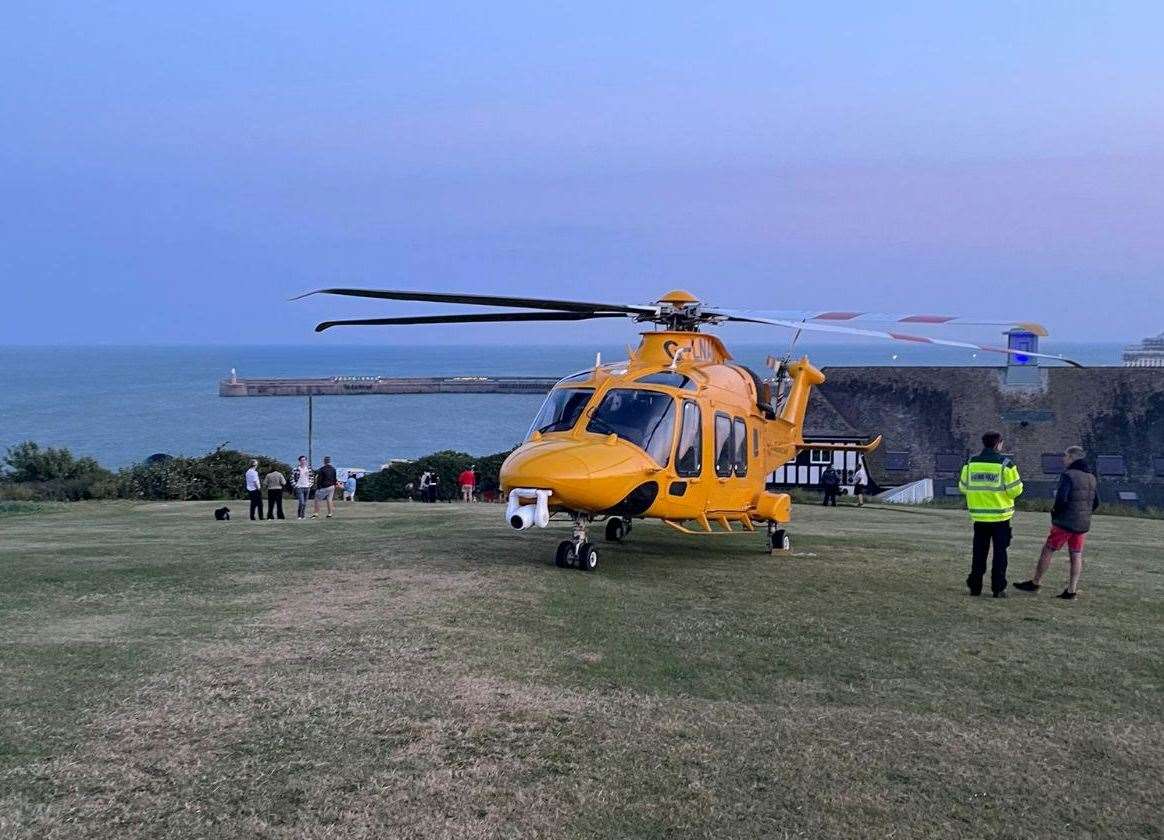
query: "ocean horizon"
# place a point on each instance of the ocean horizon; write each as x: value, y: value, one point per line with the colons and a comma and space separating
x: 122, y: 403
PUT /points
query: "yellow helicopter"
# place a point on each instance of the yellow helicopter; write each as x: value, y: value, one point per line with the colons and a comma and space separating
x: 678, y: 432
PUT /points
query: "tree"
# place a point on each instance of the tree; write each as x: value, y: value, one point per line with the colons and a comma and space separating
x: 56, y: 474
x: 28, y: 462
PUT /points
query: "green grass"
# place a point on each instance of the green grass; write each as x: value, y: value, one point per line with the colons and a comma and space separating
x: 416, y: 671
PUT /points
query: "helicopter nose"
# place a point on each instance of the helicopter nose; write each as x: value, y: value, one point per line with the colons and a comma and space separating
x: 589, y: 476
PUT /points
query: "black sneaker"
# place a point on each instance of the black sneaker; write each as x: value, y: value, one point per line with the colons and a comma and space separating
x: 1067, y: 596
x: 974, y: 590
x: 1027, y: 586
x: 1001, y: 594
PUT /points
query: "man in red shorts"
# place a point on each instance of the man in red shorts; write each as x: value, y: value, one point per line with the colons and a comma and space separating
x: 1076, y: 498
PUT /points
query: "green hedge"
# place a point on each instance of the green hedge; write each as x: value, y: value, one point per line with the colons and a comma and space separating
x: 218, y: 475
x: 391, y: 484
x: 34, y: 474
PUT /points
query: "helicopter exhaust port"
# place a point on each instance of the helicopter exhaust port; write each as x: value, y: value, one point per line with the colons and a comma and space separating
x: 528, y: 507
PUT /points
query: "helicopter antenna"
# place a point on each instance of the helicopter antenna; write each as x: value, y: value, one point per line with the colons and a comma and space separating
x: 792, y: 342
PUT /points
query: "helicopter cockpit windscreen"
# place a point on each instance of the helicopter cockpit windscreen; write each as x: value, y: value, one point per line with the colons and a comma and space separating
x: 644, y: 418
x: 561, y: 409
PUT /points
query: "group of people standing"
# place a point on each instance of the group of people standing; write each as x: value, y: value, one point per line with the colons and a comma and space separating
x: 306, y: 483
x: 429, y: 485
x: 830, y: 482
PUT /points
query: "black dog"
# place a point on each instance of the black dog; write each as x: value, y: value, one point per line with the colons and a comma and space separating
x: 223, y: 513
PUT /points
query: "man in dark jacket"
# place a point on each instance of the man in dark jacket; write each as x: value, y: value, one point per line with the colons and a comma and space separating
x: 325, y: 481
x: 1076, y: 497
x: 830, y: 482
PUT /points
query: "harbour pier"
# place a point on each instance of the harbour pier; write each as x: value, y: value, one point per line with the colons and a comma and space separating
x: 343, y: 386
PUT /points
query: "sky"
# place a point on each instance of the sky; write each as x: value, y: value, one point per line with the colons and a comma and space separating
x: 174, y: 173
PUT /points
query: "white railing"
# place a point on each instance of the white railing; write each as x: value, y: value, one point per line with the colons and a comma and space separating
x: 914, y: 493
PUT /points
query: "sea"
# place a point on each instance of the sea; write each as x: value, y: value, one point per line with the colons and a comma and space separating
x: 122, y: 404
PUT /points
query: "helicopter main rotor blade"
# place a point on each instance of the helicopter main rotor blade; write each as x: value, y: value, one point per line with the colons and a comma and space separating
x: 486, y: 300
x: 839, y: 317
x: 891, y: 336
x: 468, y: 318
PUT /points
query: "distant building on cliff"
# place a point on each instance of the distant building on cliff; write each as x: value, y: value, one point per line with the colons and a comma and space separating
x: 1148, y: 353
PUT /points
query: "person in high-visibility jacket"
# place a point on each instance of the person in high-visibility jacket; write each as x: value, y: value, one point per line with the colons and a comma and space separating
x: 990, y: 481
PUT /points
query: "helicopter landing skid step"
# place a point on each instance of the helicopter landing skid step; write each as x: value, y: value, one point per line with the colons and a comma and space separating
x: 778, y: 540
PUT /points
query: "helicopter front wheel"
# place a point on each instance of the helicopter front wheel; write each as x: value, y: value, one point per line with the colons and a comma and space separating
x: 587, y: 557
x: 564, y: 556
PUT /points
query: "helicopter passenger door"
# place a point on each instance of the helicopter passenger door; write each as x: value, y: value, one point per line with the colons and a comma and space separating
x: 688, y: 451
x: 733, y: 492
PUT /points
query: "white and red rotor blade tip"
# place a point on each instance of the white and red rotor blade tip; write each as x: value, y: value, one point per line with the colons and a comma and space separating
x: 845, y: 317
x: 890, y: 335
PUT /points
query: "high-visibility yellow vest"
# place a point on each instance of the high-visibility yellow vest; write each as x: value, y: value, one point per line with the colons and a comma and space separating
x: 991, y: 483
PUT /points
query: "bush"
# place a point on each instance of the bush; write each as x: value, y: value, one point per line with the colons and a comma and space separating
x: 20, y: 508
x: 16, y: 492
x: 49, y: 474
x: 392, y: 482
x: 217, y: 475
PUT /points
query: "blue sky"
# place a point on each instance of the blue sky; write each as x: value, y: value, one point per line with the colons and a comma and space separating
x: 175, y: 174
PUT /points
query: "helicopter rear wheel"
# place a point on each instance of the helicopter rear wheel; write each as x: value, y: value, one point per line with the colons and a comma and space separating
x: 778, y: 540
x: 563, y: 557
x: 616, y: 530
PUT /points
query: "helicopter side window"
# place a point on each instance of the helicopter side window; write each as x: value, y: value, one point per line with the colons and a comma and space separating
x: 740, y: 441
x: 669, y: 378
x: 644, y: 418
x: 561, y: 410
x: 689, y: 452
x: 723, y: 445
x: 580, y: 376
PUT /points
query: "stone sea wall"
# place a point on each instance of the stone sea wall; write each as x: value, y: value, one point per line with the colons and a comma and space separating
x: 930, y: 410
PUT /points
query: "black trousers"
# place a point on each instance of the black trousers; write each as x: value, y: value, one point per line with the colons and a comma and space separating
x: 274, y: 503
x: 256, y: 497
x: 830, y: 496
x: 987, y: 536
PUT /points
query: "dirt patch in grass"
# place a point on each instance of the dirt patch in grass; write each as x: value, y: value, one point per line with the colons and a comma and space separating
x: 379, y: 741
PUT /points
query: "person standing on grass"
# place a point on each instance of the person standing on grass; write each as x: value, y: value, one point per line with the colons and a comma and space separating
x: 275, y: 481
x: 253, y: 492
x: 302, y: 479
x: 830, y: 482
x: 468, y: 481
x: 425, y: 478
x: 325, y: 481
x: 350, y: 488
x: 1076, y: 498
x: 860, y: 482
x: 990, y: 481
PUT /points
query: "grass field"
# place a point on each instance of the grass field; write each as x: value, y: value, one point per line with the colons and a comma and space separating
x: 414, y: 671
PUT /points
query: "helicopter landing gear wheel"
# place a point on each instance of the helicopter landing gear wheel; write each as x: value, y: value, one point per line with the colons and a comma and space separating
x: 578, y: 551
x: 778, y: 539
x: 617, y: 529
x: 587, y: 557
